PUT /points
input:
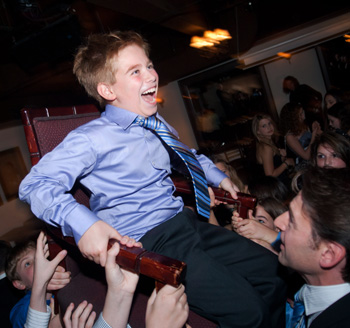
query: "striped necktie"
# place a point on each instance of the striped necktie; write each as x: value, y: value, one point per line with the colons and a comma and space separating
x: 298, y: 317
x: 198, y: 178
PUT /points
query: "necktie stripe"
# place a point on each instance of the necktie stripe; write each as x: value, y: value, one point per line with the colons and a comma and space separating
x: 195, y: 169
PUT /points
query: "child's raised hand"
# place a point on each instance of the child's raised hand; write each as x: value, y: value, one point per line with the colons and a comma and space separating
x: 43, y: 272
x: 235, y: 219
x: 167, y: 308
x: 81, y: 317
x: 252, y: 229
x: 44, y: 269
x: 60, y: 279
x: 119, y: 279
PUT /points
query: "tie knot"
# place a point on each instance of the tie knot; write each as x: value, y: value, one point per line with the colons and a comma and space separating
x: 150, y: 122
x: 299, y: 296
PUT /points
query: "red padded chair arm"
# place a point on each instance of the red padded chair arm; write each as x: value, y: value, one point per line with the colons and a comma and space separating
x: 163, y: 269
x: 243, y: 203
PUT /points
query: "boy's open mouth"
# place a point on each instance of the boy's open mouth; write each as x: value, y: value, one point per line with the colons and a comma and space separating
x: 150, y: 95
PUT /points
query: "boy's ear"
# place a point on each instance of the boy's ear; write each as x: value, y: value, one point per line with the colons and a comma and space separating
x: 332, y: 254
x: 105, y: 91
x: 19, y: 284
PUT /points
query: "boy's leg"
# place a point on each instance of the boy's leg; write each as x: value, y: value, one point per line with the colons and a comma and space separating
x: 255, y: 263
x: 213, y: 286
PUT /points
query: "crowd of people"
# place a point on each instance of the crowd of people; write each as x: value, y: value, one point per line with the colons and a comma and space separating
x: 241, y: 272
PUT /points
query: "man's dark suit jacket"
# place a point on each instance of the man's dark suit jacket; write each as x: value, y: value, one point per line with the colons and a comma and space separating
x: 335, y: 316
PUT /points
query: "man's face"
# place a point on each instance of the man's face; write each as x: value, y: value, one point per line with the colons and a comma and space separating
x: 25, y: 268
x: 298, y: 250
x: 136, y: 82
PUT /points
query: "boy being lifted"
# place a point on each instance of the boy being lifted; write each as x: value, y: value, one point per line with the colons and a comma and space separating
x: 126, y: 166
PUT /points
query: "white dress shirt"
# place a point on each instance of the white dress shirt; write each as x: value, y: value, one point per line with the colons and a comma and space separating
x: 318, y: 298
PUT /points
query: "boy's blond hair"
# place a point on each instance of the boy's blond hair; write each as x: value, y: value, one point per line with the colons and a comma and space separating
x: 94, y: 63
x: 15, y: 255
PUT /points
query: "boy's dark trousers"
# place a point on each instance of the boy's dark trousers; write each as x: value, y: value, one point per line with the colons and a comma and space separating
x: 229, y: 278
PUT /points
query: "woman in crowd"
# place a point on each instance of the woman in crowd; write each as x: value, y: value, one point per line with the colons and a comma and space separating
x: 298, y: 137
x: 339, y: 118
x: 272, y: 159
x: 332, y: 97
x: 269, y: 186
x: 260, y: 227
x: 330, y: 150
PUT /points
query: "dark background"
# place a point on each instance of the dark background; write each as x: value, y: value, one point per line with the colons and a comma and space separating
x: 38, y: 38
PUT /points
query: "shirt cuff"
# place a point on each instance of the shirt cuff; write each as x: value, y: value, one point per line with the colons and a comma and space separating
x: 37, y: 319
x: 74, y: 225
x: 277, y: 243
x: 101, y: 323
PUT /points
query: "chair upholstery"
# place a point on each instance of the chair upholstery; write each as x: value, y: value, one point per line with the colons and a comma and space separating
x: 45, y: 128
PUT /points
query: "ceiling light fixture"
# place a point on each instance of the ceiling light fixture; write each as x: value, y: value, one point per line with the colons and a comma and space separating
x: 210, y: 38
x: 284, y: 55
x: 200, y: 42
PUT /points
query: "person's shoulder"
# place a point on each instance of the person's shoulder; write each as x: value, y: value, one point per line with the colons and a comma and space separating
x: 94, y: 127
x: 336, y: 315
x: 18, y: 313
x: 24, y: 300
x: 263, y: 146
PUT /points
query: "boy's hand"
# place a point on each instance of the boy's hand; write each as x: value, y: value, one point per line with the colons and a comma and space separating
x: 168, y: 308
x: 93, y: 243
x: 230, y: 187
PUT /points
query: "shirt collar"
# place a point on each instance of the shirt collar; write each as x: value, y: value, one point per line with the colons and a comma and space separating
x: 125, y: 118
x: 318, y: 298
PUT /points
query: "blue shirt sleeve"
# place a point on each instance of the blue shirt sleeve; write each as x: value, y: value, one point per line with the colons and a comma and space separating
x: 18, y: 314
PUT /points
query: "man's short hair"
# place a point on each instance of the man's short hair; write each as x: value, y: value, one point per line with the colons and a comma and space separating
x: 326, y: 199
x: 15, y: 255
x: 93, y: 61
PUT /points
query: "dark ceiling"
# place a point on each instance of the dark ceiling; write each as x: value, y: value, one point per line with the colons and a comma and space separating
x: 38, y: 38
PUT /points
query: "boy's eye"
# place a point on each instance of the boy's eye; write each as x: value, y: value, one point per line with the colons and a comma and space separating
x: 136, y: 71
x: 150, y: 66
x: 27, y: 264
x: 261, y: 221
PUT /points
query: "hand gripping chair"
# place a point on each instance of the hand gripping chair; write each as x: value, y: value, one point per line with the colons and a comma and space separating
x: 45, y: 128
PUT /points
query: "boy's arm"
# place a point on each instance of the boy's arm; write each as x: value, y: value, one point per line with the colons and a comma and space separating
x: 46, y: 187
x: 215, y: 177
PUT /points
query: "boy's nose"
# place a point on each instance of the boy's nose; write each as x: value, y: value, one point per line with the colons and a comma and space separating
x: 151, y: 76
